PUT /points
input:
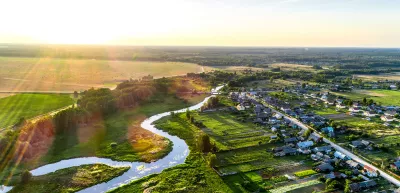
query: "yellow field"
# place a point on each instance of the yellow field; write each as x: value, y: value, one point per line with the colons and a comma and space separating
x: 391, y: 76
x: 52, y: 74
x: 291, y: 67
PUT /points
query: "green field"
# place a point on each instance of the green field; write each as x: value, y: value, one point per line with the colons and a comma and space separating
x: 56, y: 74
x: 383, y: 97
x: 95, y: 140
x: 68, y: 180
x: 193, y: 176
x: 305, y: 173
x: 26, y: 106
x: 230, y: 133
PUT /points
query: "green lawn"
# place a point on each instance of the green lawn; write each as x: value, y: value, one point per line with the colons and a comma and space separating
x: 68, y: 180
x: 26, y: 106
x: 326, y: 111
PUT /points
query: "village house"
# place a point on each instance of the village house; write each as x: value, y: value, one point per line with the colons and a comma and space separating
x: 340, y: 155
x: 370, y: 172
x: 393, y: 87
x: 361, y: 186
x: 395, y: 166
x: 325, y: 149
x: 355, y: 109
x: 286, y: 151
x: 335, y: 175
x: 324, y: 97
x: 240, y: 107
x: 357, y: 105
x: 370, y: 113
x: 325, y: 167
x: 329, y: 130
x: 352, y: 164
x: 315, y: 137
x: 340, y: 106
x: 387, y: 118
x: 305, y: 144
x: 390, y: 113
x: 290, y: 140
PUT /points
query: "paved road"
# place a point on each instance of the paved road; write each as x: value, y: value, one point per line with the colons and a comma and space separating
x: 337, y: 147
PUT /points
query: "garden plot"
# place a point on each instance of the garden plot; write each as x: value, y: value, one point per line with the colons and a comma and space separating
x: 229, y: 133
x: 254, y: 158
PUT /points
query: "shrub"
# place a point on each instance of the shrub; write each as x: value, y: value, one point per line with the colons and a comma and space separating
x: 26, y: 177
x: 113, y: 145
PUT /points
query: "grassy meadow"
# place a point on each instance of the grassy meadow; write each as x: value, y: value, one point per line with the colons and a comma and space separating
x: 384, y: 97
x: 68, y: 180
x: 193, y: 176
x: 12, y: 108
x: 123, y: 128
x: 54, y: 74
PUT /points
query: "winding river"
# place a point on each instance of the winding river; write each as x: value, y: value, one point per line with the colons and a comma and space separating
x: 179, y: 152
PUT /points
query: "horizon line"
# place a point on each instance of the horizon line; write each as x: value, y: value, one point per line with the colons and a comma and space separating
x: 199, y: 46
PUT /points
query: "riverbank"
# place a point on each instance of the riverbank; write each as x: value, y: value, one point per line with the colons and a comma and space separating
x: 138, y: 169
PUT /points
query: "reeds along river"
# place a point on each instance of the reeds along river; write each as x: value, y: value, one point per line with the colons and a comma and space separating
x: 138, y: 170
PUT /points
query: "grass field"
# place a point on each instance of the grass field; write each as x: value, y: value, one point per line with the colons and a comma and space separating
x: 229, y: 133
x: 193, y: 176
x: 123, y: 128
x: 14, y: 107
x: 52, y: 74
x: 384, y: 97
x: 68, y: 180
x: 305, y: 173
x: 389, y: 76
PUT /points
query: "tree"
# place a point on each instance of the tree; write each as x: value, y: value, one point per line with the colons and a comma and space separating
x: 205, y: 143
x: 307, y: 133
x: 187, y: 114
x: 76, y: 94
x: 364, y: 101
x: 347, y: 186
x: 211, y: 159
x: 26, y: 176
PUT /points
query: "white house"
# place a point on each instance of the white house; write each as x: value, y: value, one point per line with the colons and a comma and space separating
x: 370, y: 113
x: 393, y: 87
x: 354, y: 109
x: 339, y: 155
x: 340, y: 106
x: 390, y: 113
x: 387, y: 118
x: 278, y: 116
x: 240, y: 107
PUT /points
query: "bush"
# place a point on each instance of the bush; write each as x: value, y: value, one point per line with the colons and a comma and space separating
x: 113, y: 145
x: 26, y: 177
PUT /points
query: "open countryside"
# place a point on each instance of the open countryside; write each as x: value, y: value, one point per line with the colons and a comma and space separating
x: 57, y: 75
x: 276, y: 96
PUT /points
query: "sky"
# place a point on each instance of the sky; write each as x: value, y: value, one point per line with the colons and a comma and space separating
x: 292, y: 23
